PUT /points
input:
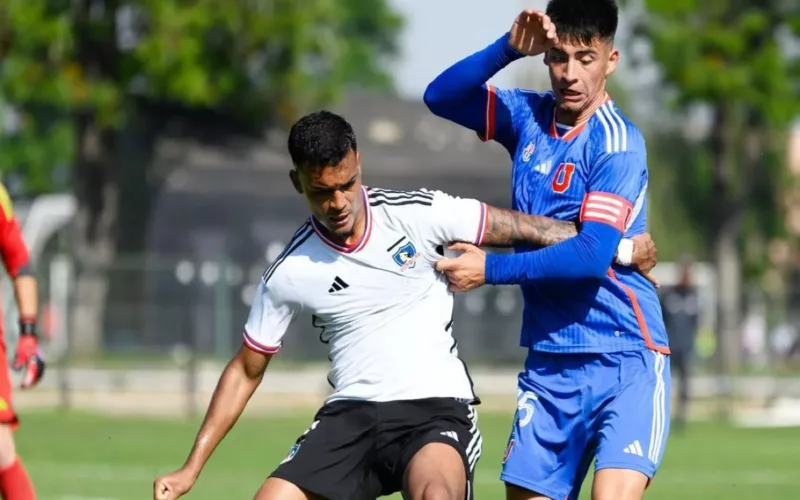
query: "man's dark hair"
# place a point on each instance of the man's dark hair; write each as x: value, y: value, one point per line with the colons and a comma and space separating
x: 320, y: 139
x: 584, y: 21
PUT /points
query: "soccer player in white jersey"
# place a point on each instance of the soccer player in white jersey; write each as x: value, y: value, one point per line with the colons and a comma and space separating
x: 401, y: 413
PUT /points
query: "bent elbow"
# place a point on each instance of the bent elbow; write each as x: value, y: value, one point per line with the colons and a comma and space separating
x: 434, y: 99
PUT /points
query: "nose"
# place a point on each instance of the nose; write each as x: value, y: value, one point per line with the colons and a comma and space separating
x: 338, y: 201
x: 570, y: 70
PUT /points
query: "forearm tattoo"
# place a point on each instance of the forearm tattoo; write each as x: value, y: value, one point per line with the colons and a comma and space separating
x: 505, y: 228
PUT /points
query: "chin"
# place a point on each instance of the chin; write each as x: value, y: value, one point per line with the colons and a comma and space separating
x: 344, y: 232
x: 572, y: 107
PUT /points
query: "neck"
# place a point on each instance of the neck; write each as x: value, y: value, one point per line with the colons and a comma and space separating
x: 359, y: 228
x: 566, y: 117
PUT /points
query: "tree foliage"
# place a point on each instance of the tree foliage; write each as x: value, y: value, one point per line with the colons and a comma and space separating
x: 89, y: 84
x: 260, y: 61
x: 738, y: 60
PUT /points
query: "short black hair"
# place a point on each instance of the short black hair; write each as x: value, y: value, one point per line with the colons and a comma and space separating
x: 584, y: 21
x: 320, y: 139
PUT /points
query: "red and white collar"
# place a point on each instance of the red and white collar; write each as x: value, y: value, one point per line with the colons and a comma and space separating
x: 574, y: 131
x: 339, y: 247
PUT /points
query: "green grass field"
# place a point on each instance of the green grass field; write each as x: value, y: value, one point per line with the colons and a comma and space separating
x: 79, y: 457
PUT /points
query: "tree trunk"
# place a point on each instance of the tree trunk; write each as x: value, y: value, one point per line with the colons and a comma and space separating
x: 93, y: 237
x: 728, y: 211
x: 729, y: 286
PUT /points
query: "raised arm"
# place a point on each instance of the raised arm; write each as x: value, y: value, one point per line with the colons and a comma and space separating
x: 460, y: 93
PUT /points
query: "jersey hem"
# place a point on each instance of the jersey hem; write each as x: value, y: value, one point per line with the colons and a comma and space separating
x: 471, y: 400
x: 593, y: 349
x: 254, y: 345
x: 648, y: 471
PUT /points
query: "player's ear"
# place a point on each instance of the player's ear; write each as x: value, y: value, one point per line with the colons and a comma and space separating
x: 296, y: 181
x: 613, y: 60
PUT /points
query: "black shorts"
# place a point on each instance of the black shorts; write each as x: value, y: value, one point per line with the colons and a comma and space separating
x: 358, y: 450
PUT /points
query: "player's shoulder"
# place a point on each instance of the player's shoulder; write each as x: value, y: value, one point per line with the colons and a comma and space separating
x: 293, y: 259
x: 612, y: 132
x: 528, y: 100
x: 400, y: 201
x: 406, y: 210
x: 5, y: 203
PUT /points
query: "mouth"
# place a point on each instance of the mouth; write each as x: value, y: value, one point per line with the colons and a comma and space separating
x: 339, y: 221
x: 570, y: 95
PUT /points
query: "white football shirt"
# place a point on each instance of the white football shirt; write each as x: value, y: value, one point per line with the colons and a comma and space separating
x: 380, y: 305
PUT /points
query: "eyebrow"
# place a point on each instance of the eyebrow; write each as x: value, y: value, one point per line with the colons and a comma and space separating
x: 334, y: 188
x: 579, y: 53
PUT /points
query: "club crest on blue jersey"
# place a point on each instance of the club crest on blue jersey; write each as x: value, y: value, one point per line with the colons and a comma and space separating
x: 406, y: 256
x: 528, y: 152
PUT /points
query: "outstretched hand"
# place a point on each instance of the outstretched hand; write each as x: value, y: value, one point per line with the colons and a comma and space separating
x: 467, y: 271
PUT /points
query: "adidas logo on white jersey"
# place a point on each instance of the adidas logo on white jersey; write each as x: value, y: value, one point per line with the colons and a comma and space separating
x: 337, y: 285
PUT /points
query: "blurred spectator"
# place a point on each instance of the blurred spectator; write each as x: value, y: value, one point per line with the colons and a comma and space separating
x: 680, y: 305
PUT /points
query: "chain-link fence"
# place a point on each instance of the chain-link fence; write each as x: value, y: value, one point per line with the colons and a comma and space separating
x: 170, y: 324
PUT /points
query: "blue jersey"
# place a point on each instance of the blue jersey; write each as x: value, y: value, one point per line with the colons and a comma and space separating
x: 605, y: 397
x: 595, y: 172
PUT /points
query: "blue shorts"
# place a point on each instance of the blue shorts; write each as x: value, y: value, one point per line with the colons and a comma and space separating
x: 573, y: 408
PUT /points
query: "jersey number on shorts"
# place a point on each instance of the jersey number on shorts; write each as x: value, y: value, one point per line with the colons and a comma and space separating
x: 525, y: 407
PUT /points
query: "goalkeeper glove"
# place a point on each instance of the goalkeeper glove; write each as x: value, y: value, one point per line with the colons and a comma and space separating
x: 29, y: 356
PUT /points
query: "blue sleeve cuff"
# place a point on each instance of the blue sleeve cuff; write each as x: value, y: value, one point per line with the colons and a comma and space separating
x: 509, y: 53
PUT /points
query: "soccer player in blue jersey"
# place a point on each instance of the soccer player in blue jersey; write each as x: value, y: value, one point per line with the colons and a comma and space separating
x: 596, y: 381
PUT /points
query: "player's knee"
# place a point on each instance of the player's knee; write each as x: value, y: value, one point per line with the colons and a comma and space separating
x: 8, y: 452
x: 619, y: 484
x: 611, y: 494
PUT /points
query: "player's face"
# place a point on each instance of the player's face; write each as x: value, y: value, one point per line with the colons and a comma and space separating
x: 334, y: 195
x: 578, y: 73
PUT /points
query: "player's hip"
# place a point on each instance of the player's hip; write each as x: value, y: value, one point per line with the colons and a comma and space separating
x: 590, y: 333
x: 456, y: 387
x: 606, y: 318
x: 603, y: 374
x: 361, y: 449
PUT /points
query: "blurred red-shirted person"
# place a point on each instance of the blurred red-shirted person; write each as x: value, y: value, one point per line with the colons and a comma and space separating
x: 15, y: 484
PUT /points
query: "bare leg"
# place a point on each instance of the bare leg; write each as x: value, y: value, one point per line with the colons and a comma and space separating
x: 619, y: 484
x: 280, y: 489
x: 435, y: 473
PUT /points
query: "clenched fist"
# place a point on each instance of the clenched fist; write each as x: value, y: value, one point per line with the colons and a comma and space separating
x: 174, y: 485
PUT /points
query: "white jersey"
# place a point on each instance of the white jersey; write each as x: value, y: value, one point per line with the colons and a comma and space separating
x: 384, y: 310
